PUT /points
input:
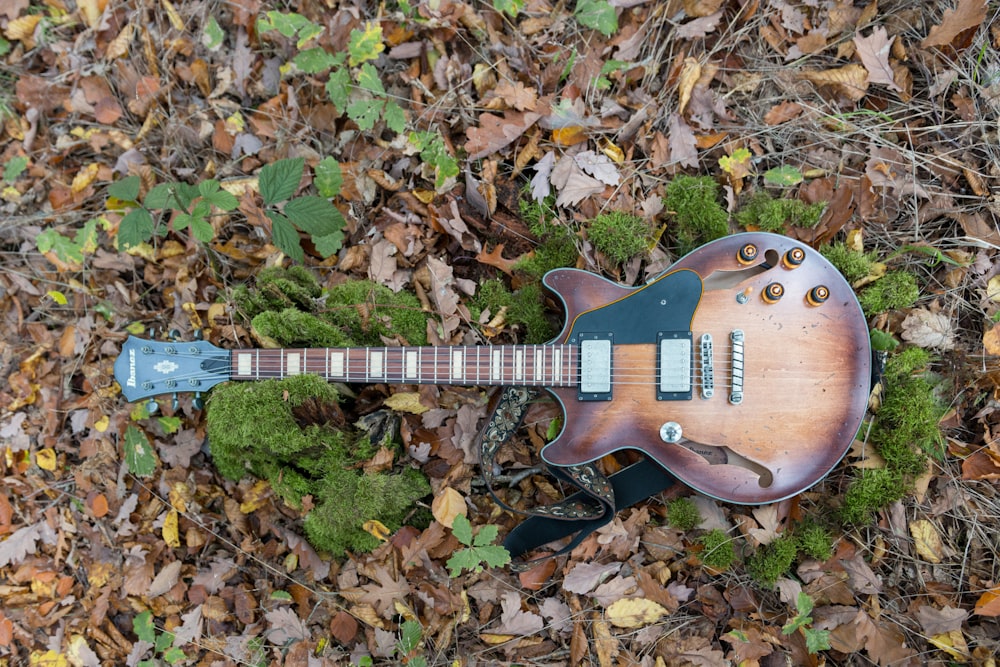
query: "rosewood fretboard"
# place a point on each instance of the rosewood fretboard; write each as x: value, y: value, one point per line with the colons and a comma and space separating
x: 541, y: 365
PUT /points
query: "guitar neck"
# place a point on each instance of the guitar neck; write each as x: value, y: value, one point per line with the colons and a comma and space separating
x: 522, y: 365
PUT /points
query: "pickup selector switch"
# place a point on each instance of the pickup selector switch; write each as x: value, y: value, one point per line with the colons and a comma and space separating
x: 773, y: 292
x: 793, y: 258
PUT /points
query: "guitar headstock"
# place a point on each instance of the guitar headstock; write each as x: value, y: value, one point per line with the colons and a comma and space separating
x: 147, y: 368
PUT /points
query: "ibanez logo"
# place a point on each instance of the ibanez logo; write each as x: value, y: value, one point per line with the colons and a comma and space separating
x: 131, y: 369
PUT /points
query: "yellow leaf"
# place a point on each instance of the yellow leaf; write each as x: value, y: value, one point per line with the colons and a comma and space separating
x: 425, y: 196
x: 48, y: 659
x: 46, y: 459
x: 77, y: 652
x: 855, y: 240
x: 376, y: 529
x: 447, y: 505
x: 256, y: 497
x: 634, y: 612
x: 407, y: 401
x: 926, y: 540
x: 101, y: 425
x: 57, y: 296
x: 993, y: 289
x: 91, y: 11
x: 84, y: 177
x: 614, y: 153
x: 404, y: 610
x: 736, y: 164
x: 494, y: 639
x: 953, y: 643
x: 22, y: 29
x: 171, y: 531
x: 119, y: 46
x: 291, y: 562
x: 175, y: 18
x: 690, y: 74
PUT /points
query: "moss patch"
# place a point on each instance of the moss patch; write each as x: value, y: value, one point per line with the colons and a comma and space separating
x: 619, y: 235
x: 718, y: 553
x: 896, y: 289
x: 557, y: 242
x: 683, y: 514
x: 771, y: 561
x: 693, y: 204
x: 772, y: 215
x: 525, y: 307
x: 853, y: 264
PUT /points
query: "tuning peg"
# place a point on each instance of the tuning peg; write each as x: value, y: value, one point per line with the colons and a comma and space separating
x: 174, y: 401
x: 152, y: 407
x: 198, y: 403
x: 198, y: 334
x: 174, y: 334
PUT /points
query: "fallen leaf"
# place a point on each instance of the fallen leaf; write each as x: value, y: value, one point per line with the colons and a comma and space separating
x: 634, y: 612
x: 406, y: 401
x: 874, y: 53
x: 165, y: 579
x: 926, y: 540
x: 171, y: 533
x: 850, y: 80
x: 494, y: 132
x: 599, y: 166
x: 448, y: 504
x: 284, y: 626
x: 516, y: 95
x: 770, y: 524
x: 573, y: 185
x: 683, y: 144
x: 953, y: 643
x: 514, y: 620
x: 934, y: 621
x: 584, y: 577
x: 988, y: 603
x: 929, y: 330
x: 540, y: 187
x: 376, y: 529
x: 969, y: 14
x: 782, y: 113
x: 496, y: 259
x: 689, y: 76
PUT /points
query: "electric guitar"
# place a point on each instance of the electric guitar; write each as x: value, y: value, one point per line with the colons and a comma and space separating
x: 743, y: 369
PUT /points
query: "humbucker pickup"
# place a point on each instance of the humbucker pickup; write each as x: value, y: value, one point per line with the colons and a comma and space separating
x: 595, y: 367
x: 673, y: 365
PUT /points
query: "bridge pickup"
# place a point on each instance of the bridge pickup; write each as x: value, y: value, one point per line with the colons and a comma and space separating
x: 595, y: 367
x: 673, y: 365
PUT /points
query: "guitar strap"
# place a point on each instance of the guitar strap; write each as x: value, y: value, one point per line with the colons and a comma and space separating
x: 595, y: 505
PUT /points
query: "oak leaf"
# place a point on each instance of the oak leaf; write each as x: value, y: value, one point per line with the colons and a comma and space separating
x: 514, y: 620
x: 874, y: 53
x: 968, y: 14
x: 782, y: 113
x: 285, y: 626
x: 494, y: 132
x: 849, y: 80
x: 934, y: 621
x: 683, y: 144
x: 517, y: 95
x: 496, y: 259
x: 929, y: 330
x: 572, y: 183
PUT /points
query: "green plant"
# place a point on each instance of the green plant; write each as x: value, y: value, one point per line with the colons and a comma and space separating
x: 162, y: 641
x: 773, y: 560
x: 692, y: 202
x: 895, y: 290
x: 718, y: 552
x: 683, y: 514
x: 524, y: 307
x: 769, y: 214
x: 816, y: 640
x: 14, y: 167
x: 69, y: 250
x: 853, y: 264
x: 815, y: 541
x: 618, y: 235
x: 597, y: 14
x: 411, y: 634
x: 870, y: 492
x: 479, y: 551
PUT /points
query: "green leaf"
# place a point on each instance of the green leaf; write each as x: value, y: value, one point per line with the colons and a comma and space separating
x: 486, y: 535
x: 139, y: 456
x: 286, y: 24
x: 4, y: 46
x: 462, y: 530
x: 410, y: 635
x: 212, y: 193
x: 365, y: 113
x: 509, y: 7
x: 57, y: 296
x: 883, y: 341
x: 65, y: 248
x: 212, y: 35
x: 493, y: 556
x: 135, y: 228
x: 126, y: 189
x: 163, y: 641
x: 597, y: 14
x: 177, y: 196
x: 328, y: 177
x: 369, y: 80
x: 14, y: 168
x: 804, y: 604
x: 817, y: 640
x: 143, y: 627
x: 173, y: 655
x: 202, y: 229
x: 317, y: 59
x: 307, y: 32
x: 329, y: 245
x: 395, y: 118
x: 282, y: 595
x: 785, y: 175
x: 462, y: 560
x: 338, y: 88
x: 286, y: 237
x: 366, y: 44
x: 279, y: 180
x: 169, y: 424
x: 313, y: 215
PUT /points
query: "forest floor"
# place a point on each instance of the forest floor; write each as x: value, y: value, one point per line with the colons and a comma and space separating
x: 426, y: 125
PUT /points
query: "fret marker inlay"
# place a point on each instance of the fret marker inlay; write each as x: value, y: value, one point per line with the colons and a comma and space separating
x: 336, y: 364
x: 456, y: 365
x: 244, y: 363
x: 411, y: 365
x: 376, y: 364
x: 292, y: 363
x: 496, y: 366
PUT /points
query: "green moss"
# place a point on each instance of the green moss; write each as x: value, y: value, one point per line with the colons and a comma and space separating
x: 525, y: 307
x: 347, y: 500
x: 896, y: 289
x: 556, y: 251
x: 278, y: 288
x: 291, y: 327
x: 771, y: 215
x: 537, y: 214
x: 870, y: 492
x: 719, y: 553
x: 683, y: 514
x: 853, y: 264
x: 619, y: 235
x: 275, y: 430
x: 814, y: 540
x: 772, y: 561
x: 368, y: 311
x: 693, y: 202
x: 906, y: 429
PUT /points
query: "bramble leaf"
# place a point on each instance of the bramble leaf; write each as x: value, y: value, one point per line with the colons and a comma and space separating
x: 286, y: 237
x: 213, y: 193
x: 135, y: 228
x: 366, y: 44
x: 328, y: 178
x: 279, y: 180
x: 597, y: 14
x: 314, y: 215
x: 139, y: 456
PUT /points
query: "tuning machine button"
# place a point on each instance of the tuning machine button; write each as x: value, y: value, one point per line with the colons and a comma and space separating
x: 793, y: 258
x: 174, y: 402
x: 747, y: 254
x: 152, y: 407
x: 818, y: 295
x: 773, y: 292
x: 198, y: 403
x: 198, y: 334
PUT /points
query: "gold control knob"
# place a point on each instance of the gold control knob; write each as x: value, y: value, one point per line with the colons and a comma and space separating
x: 817, y: 295
x: 773, y: 292
x: 793, y: 258
x: 747, y: 254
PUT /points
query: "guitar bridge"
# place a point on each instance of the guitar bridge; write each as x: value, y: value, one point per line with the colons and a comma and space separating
x: 736, y: 389
x: 707, y: 366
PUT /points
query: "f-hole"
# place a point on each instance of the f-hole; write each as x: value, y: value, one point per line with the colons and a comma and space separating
x: 730, y: 279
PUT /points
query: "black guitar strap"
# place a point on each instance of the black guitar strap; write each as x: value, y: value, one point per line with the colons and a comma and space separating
x: 595, y: 505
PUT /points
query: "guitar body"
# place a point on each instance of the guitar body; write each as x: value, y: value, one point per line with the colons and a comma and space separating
x: 804, y: 358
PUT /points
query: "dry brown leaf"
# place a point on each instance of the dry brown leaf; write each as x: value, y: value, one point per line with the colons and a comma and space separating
x: 782, y: 113
x: 494, y: 132
x: 516, y: 95
x: 573, y: 185
x: 605, y: 644
x: 447, y: 505
x: 690, y: 73
x: 682, y: 142
x: 929, y: 330
x: 874, y: 53
x: 934, y: 621
x: 496, y: 259
x: 634, y: 612
x: 926, y: 540
x: 969, y: 14
x: 701, y: 7
x: 850, y: 80
x: 22, y: 29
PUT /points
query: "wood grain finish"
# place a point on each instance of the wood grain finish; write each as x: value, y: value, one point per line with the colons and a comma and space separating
x: 807, y: 374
